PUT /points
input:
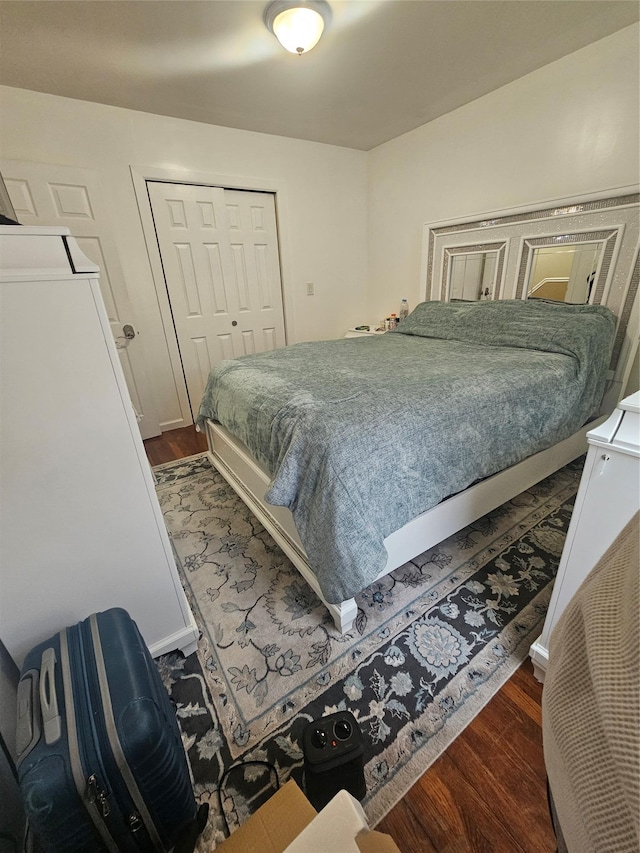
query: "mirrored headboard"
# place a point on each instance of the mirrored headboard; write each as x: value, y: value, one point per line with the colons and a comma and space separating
x: 576, y: 250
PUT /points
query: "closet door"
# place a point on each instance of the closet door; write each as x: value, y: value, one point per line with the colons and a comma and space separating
x: 219, y: 251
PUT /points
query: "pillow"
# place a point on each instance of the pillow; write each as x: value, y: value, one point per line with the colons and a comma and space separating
x: 574, y: 330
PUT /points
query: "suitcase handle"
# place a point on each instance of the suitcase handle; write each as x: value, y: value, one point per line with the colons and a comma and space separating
x: 48, y: 697
x: 28, y: 729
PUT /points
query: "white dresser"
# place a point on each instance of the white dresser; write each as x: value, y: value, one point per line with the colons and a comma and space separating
x: 80, y: 525
x: 608, y: 497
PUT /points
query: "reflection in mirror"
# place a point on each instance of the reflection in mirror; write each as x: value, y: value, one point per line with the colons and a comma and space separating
x: 472, y: 275
x: 564, y: 273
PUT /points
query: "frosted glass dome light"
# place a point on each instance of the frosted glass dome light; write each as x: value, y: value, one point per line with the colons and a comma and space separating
x: 297, y: 25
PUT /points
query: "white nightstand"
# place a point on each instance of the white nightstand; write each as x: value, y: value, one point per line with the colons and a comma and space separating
x: 360, y: 333
x: 607, y: 499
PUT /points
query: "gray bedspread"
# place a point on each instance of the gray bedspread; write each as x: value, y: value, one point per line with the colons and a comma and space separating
x: 363, y: 434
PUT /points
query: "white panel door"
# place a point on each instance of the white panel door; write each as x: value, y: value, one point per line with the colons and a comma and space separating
x: 45, y: 194
x: 219, y: 251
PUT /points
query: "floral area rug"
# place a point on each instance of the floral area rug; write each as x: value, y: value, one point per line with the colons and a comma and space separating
x: 433, y: 641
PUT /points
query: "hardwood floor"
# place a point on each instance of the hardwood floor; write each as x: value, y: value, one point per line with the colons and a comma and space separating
x: 175, y: 444
x: 487, y: 792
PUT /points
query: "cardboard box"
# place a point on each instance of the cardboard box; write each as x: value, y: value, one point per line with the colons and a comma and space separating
x: 288, y: 823
x: 274, y: 826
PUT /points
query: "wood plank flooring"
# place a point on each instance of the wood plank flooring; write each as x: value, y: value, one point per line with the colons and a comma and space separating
x: 175, y: 444
x: 487, y: 792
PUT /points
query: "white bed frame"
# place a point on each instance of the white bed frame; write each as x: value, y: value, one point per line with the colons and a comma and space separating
x: 617, y: 287
x: 250, y: 481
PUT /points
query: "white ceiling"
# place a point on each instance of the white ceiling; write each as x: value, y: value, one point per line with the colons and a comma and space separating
x: 382, y: 68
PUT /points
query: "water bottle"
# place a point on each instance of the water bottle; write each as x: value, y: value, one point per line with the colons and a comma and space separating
x: 404, y: 310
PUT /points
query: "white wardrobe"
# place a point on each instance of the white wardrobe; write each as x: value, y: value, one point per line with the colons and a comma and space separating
x: 81, y: 529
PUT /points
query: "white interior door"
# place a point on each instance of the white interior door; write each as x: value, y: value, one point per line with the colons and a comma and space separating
x: 219, y: 251
x: 45, y: 194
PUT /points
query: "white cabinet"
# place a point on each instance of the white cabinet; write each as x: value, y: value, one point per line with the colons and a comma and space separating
x: 608, y: 497
x: 81, y: 529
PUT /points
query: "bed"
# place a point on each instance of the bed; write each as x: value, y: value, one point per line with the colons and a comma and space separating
x: 359, y: 454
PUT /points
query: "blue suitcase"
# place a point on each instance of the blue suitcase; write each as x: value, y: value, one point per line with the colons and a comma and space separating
x: 100, y: 758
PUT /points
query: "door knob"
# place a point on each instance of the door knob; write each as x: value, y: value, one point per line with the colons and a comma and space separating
x: 129, y: 332
x: 234, y: 322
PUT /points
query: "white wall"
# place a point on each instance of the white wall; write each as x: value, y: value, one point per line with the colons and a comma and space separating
x: 322, y: 203
x: 570, y: 128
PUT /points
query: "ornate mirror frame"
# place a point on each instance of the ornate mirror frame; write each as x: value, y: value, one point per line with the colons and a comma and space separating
x: 451, y: 252
x: 606, y: 238
x: 612, y: 219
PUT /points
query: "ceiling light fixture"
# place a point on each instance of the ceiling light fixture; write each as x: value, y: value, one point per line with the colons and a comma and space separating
x: 297, y: 24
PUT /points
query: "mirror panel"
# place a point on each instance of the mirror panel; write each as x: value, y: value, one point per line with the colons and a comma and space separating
x: 472, y: 275
x: 594, y: 250
x: 473, y: 272
x: 564, y: 273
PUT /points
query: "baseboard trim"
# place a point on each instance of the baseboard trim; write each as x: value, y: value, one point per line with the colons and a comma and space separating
x: 185, y: 641
x: 539, y: 655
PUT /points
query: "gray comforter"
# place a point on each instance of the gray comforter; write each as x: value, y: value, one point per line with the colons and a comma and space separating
x: 363, y: 434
